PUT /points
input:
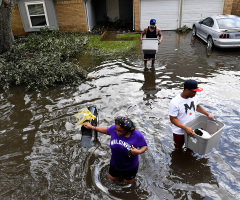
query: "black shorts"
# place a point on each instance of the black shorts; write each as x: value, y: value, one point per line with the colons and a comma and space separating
x: 127, y: 175
x: 149, y: 56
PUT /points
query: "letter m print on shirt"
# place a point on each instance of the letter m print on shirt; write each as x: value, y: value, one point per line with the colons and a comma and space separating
x: 189, y: 107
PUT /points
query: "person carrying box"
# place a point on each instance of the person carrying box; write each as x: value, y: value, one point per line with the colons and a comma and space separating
x: 151, y: 32
x: 182, y: 110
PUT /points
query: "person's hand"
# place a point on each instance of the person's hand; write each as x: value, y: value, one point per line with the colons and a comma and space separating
x: 189, y: 131
x: 159, y: 42
x: 134, y: 151
x: 87, y: 125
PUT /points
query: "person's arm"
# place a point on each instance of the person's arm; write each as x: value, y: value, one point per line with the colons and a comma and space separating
x: 201, y: 110
x: 177, y: 123
x: 159, y: 33
x: 143, y: 33
x: 135, y: 151
x: 98, y: 129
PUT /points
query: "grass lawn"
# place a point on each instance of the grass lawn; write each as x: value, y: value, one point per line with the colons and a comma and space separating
x: 95, y: 43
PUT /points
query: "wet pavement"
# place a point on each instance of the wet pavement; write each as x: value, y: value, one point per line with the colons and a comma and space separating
x: 41, y: 154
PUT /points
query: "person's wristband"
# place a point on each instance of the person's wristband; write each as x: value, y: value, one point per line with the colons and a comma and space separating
x: 93, y: 128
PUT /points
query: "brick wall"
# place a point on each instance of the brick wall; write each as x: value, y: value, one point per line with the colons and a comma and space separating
x: 16, y: 20
x: 137, y: 14
x: 71, y: 15
x: 236, y: 7
x: 227, y: 8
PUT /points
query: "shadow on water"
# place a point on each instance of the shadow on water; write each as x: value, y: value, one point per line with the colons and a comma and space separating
x: 41, y: 154
x: 189, y: 169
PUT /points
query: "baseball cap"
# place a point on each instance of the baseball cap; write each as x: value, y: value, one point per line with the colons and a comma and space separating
x: 192, y: 85
x: 153, y: 21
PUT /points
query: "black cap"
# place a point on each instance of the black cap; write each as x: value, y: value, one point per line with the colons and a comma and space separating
x: 192, y: 85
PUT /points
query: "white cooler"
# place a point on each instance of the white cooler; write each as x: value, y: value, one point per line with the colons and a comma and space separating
x: 150, y: 45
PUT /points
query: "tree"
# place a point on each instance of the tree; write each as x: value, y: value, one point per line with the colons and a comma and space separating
x: 6, y: 35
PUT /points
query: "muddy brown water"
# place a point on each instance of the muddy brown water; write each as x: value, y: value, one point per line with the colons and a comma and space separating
x: 40, y: 152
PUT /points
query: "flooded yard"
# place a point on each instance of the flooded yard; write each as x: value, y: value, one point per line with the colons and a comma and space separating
x: 41, y: 154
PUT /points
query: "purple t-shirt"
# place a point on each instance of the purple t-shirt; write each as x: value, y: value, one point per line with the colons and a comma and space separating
x: 120, y: 146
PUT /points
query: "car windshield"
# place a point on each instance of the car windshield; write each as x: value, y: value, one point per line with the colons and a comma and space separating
x: 228, y: 23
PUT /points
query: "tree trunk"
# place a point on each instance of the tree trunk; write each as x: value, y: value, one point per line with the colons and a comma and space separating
x: 6, y: 35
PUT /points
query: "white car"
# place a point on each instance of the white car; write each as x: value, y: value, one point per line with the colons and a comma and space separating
x: 220, y: 30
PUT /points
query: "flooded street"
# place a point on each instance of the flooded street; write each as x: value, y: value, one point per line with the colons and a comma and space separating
x: 40, y: 150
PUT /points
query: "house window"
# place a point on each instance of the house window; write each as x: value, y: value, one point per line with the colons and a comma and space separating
x: 37, y: 14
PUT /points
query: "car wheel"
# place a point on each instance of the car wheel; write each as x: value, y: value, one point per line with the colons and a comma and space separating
x: 210, y: 43
x: 194, y: 31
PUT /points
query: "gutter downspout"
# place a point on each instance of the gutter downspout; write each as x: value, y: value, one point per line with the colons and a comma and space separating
x: 86, y: 13
x: 133, y: 17
x: 180, y: 13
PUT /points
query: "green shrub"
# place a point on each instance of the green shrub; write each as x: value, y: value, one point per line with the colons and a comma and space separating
x: 183, y: 30
x: 41, y: 60
x: 44, y: 59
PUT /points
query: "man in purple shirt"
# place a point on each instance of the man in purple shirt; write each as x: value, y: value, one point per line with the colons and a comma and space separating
x: 126, y: 144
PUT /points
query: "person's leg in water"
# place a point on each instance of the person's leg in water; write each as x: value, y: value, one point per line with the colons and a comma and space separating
x: 149, y: 57
x: 153, y: 56
x: 145, y: 60
x: 129, y: 176
x: 113, y: 174
x: 145, y: 63
x: 126, y: 176
x: 153, y: 61
x: 178, y: 141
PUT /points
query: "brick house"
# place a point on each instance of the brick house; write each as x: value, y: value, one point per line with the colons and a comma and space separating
x: 83, y: 15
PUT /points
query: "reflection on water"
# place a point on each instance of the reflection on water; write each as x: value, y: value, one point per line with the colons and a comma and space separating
x: 41, y: 156
x: 190, y: 169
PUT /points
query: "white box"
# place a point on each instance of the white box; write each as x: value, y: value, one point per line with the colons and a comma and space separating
x: 150, y: 45
x: 202, y: 145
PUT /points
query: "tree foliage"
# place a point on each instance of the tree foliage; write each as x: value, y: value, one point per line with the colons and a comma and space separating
x: 42, y: 59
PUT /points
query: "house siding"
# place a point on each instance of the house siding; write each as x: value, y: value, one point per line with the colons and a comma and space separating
x: 71, y: 15
x: 17, y: 25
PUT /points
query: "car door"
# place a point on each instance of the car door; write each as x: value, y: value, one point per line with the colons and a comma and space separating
x: 207, y: 28
x: 200, y: 27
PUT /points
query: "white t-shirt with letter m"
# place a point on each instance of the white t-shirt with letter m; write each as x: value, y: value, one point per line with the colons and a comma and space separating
x: 184, y: 110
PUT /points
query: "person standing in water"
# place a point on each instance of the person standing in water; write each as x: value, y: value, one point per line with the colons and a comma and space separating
x: 151, y: 32
x: 182, y: 109
x: 126, y: 144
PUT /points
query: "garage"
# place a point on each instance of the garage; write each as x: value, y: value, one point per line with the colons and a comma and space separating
x: 172, y: 14
x: 194, y: 10
x: 166, y: 13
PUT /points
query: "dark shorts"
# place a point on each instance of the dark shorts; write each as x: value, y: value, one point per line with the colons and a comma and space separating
x: 149, y: 56
x: 127, y: 175
x: 178, y: 140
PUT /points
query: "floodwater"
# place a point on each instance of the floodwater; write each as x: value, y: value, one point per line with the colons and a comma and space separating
x: 41, y: 156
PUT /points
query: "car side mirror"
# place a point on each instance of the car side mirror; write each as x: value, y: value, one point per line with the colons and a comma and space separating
x: 200, y: 22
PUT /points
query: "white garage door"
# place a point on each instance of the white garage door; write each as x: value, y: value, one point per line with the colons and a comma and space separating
x: 194, y: 10
x: 164, y: 11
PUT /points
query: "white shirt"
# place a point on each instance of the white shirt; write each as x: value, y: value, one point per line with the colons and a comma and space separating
x: 184, y: 110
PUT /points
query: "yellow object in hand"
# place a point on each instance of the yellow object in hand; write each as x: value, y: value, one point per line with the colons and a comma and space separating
x: 83, y: 115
